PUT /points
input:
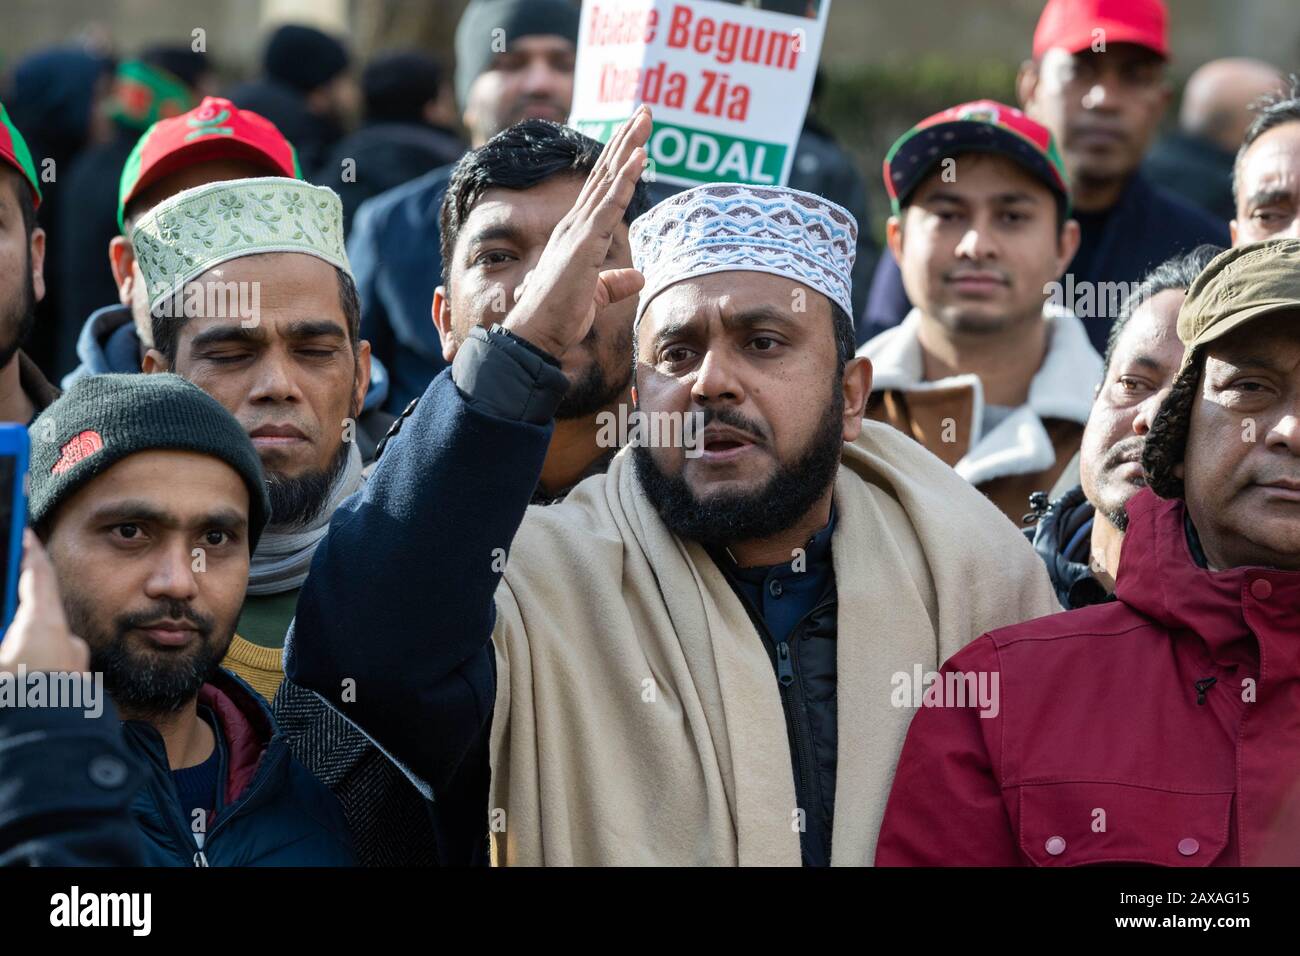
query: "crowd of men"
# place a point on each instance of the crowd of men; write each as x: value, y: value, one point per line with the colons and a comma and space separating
x: 367, y: 582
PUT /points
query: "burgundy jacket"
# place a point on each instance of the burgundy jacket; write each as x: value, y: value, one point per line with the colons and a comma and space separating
x: 1109, y: 742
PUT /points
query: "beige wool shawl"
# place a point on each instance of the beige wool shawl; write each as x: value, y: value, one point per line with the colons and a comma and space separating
x: 638, y: 719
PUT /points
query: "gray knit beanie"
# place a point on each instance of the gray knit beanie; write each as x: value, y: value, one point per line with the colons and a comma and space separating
x: 488, y: 27
x: 102, y: 419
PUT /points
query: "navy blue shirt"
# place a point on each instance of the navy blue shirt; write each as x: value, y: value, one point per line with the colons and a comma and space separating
x: 783, y: 594
x: 197, y: 786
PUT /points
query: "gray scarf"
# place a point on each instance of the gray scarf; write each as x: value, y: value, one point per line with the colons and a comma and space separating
x: 283, y: 556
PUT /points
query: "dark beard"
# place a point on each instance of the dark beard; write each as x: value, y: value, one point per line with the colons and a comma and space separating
x: 589, y: 394
x: 17, y: 320
x: 296, y: 502
x: 148, y: 685
x: 723, y: 519
x: 592, y: 392
x: 1118, y: 517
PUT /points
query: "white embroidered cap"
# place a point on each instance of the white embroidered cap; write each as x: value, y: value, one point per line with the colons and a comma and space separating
x: 200, y: 228
x: 724, y: 227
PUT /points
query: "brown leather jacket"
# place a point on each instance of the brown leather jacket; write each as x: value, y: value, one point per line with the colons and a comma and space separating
x: 1024, y: 452
x: 922, y: 415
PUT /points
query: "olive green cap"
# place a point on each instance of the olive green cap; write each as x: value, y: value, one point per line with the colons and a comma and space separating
x: 1237, y: 286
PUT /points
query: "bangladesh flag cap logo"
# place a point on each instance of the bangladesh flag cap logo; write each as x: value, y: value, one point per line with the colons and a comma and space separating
x: 215, y: 129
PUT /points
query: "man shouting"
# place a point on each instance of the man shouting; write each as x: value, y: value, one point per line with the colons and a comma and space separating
x: 690, y: 659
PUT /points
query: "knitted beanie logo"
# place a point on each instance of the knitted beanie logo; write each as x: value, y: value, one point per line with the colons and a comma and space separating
x: 77, y: 449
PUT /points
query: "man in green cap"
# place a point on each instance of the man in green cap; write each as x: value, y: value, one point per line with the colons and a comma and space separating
x: 149, y: 500
x: 23, y: 389
x: 1158, y: 728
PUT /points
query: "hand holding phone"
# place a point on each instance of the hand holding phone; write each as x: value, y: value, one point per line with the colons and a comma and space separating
x: 14, y: 455
x: 39, y: 637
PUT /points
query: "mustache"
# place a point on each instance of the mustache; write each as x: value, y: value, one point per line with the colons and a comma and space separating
x: 1130, y: 449
x: 252, y: 426
x: 733, y: 419
x: 1084, y: 129
x: 168, y: 610
x: 963, y: 271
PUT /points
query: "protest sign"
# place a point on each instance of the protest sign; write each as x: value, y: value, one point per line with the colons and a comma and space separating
x: 728, y: 85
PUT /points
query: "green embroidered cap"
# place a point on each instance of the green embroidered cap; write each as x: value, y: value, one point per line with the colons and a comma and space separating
x: 184, y: 236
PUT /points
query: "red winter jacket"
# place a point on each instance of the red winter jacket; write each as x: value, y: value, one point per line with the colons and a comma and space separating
x: 1109, y: 743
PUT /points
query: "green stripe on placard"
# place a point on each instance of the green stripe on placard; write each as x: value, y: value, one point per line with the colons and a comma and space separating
x: 702, y: 156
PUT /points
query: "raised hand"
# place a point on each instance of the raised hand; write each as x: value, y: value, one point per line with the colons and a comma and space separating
x: 557, y: 303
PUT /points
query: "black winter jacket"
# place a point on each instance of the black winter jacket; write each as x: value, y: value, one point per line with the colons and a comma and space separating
x: 67, y: 785
x: 1063, y: 539
x: 271, y: 812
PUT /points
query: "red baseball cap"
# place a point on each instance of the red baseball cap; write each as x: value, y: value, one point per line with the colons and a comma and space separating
x: 1079, y: 24
x: 14, y: 152
x: 215, y: 129
x: 983, y: 126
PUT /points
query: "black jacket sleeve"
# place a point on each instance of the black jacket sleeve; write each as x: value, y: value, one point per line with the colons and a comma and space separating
x: 394, y: 622
x: 66, y: 784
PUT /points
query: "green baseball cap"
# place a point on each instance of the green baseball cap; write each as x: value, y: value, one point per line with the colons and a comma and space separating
x: 14, y: 151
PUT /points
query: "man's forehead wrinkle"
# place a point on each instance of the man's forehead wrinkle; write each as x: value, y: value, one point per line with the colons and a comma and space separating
x: 1144, y: 360
x: 679, y: 309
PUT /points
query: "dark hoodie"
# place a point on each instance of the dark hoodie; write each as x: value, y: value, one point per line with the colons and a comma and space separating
x: 271, y: 811
x: 1063, y: 539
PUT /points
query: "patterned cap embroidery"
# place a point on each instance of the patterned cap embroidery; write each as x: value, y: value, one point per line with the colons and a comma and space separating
x: 77, y: 449
x: 198, y: 229
x: 727, y: 227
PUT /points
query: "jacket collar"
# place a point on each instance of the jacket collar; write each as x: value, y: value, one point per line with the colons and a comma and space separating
x: 246, y: 725
x: 1159, y: 577
x: 247, y: 728
x: 1062, y: 388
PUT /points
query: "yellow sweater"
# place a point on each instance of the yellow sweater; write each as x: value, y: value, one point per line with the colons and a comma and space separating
x: 260, y: 666
x: 257, y: 656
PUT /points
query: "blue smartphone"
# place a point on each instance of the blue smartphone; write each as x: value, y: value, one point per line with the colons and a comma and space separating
x: 13, y: 512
